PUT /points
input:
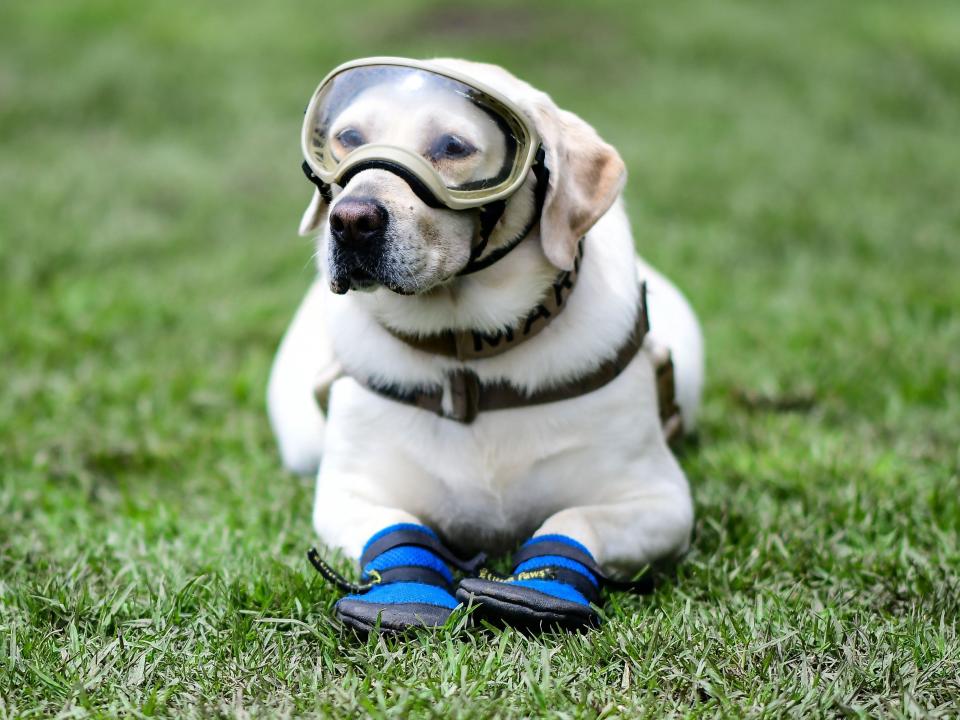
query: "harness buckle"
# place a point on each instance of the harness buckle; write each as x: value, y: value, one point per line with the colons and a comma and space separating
x: 462, y: 345
x: 464, y: 396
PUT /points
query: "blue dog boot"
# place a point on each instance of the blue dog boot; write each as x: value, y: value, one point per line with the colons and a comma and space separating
x: 555, y: 582
x: 406, y: 581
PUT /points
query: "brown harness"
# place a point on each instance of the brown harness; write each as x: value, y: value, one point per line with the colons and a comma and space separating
x: 473, y: 344
x: 469, y: 396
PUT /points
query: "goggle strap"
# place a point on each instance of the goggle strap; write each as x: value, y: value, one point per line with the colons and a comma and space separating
x: 542, y: 174
x: 323, y: 188
x: 490, y: 215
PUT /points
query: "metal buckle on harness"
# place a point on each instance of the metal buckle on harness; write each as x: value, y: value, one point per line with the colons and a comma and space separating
x: 464, y: 396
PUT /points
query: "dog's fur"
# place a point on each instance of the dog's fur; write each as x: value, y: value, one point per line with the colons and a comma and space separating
x: 595, y: 468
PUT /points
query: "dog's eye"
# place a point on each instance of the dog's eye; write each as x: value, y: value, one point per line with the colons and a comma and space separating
x: 450, y: 147
x: 350, y: 138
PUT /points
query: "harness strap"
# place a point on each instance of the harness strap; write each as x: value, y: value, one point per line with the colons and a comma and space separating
x: 469, y: 396
x: 670, y: 416
x: 473, y: 344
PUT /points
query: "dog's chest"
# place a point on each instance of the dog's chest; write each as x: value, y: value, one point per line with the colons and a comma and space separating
x: 496, y: 479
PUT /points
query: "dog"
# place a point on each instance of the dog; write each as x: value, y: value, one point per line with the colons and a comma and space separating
x: 594, y: 468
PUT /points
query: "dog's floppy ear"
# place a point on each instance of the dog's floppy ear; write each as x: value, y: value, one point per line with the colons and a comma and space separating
x: 314, y: 215
x: 586, y: 176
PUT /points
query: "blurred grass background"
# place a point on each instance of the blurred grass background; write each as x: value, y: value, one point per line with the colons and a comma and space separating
x: 793, y: 166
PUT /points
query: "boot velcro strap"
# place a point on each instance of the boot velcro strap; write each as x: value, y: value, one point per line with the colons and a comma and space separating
x: 409, y: 573
x: 576, y: 580
x: 642, y: 585
x: 554, y: 547
x: 419, y: 539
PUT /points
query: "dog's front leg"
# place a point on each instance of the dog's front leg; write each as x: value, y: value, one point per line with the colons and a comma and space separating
x: 347, y: 513
x: 558, y: 573
x: 368, y: 500
x: 405, y: 570
x: 626, y: 534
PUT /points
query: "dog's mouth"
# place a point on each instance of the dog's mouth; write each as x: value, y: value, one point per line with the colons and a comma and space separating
x: 359, y: 278
x: 343, y: 280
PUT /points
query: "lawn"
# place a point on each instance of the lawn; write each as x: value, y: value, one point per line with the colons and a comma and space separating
x: 793, y: 166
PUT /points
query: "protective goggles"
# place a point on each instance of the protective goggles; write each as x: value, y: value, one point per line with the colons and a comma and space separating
x: 456, y: 142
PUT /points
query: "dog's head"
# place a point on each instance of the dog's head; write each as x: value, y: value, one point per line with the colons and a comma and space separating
x: 377, y: 232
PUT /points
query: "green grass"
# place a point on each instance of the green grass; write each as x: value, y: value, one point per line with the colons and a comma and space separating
x: 793, y: 167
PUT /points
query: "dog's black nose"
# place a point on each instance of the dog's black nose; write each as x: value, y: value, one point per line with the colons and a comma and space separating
x: 357, y: 221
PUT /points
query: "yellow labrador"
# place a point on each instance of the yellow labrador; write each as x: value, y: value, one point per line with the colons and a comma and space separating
x: 594, y: 467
